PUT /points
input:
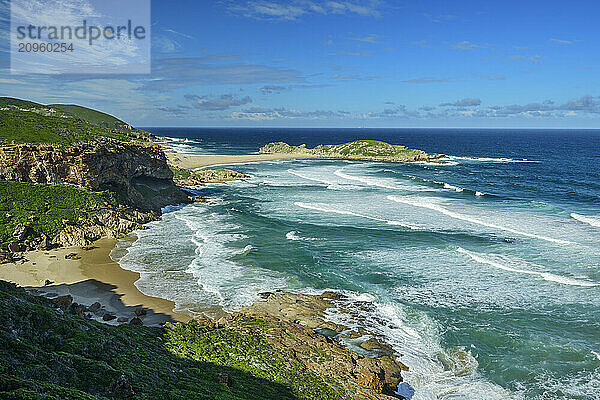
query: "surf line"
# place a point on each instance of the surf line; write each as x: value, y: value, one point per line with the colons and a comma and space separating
x: 474, y: 220
x: 546, y: 275
x: 343, y: 212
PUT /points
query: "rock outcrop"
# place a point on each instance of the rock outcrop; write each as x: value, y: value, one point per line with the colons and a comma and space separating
x: 302, y: 319
x: 368, y: 150
x: 111, y: 223
x: 197, y: 178
x: 137, y: 170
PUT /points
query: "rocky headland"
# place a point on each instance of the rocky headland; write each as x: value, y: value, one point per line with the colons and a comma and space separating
x: 366, y: 150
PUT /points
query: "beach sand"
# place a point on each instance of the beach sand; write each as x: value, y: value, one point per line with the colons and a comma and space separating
x: 94, y: 277
x: 198, y: 161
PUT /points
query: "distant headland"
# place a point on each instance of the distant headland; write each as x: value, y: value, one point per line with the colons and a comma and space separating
x: 366, y: 150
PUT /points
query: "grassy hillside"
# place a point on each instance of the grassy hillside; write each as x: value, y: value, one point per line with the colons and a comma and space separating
x: 24, y: 121
x: 91, y: 116
x: 49, y: 204
x: 46, y: 354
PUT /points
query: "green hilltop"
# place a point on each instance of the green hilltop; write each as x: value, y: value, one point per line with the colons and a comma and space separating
x: 24, y: 121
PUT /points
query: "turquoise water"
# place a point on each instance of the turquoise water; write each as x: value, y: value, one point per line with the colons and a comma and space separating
x: 484, y: 273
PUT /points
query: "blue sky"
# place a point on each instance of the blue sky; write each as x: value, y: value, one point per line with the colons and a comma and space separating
x: 372, y: 63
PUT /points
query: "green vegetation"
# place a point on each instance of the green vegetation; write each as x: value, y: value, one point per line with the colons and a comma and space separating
x: 24, y: 121
x: 358, y: 150
x: 91, y: 116
x: 49, y: 204
x: 45, y: 354
x: 180, y: 173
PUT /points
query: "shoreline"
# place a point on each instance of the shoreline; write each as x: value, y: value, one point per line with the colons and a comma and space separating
x: 189, y: 161
x: 90, y: 276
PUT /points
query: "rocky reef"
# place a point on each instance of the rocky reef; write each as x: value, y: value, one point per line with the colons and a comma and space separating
x: 137, y: 171
x: 367, y: 150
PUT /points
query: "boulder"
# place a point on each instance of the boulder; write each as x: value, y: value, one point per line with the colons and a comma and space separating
x: 140, y: 312
x: 95, y: 307
x: 108, y: 317
x: 78, y: 309
x: 44, y: 243
x: 136, y: 321
x: 63, y: 302
x: 72, y: 256
x: 5, y: 257
x: 21, y: 231
x: 14, y: 247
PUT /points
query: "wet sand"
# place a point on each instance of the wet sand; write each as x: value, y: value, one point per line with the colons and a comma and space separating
x: 92, y: 276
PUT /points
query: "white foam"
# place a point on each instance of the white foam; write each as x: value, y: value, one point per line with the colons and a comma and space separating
x: 421, y: 203
x: 546, y: 275
x: 310, y: 178
x: 479, y: 194
x: 434, y: 373
x: 493, y: 159
x: 593, y: 221
x: 294, y: 235
x: 452, y: 187
x: 382, y: 183
x: 351, y: 213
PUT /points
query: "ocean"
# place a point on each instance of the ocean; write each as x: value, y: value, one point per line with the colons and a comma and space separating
x: 483, y: 273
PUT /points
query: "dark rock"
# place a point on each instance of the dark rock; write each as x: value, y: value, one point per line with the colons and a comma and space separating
x: 20, y: 232
x: 136, y: 321
x: 72, y: 256
x: 48, y: 282
x: 14, y: 247
x: 108, y: 317
x: 5, y: 257
x: 63, y: 302
x: 264, y: 295
x: 95, y: 307
x: 140, y: 312
x: 44, y: 243
x: 122, y: 319
x: 77, y: 309
x: 222, y: 378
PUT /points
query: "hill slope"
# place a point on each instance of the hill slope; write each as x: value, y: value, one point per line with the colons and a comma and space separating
x: 23, y: 121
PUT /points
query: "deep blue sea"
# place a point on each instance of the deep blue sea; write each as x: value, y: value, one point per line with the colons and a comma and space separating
x: 484, y: 272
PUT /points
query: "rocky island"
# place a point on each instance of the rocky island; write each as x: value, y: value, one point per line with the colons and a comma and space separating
x: 70, y: 176
x: 366, y: 150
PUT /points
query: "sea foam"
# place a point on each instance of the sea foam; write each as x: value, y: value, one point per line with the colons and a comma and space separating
x: 546, y: 275
x: 324, y: 209
x: 593, y: 221
x: 435, y: 207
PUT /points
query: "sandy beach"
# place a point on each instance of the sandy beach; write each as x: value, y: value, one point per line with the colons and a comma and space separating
x: 198, y: 161
x: 91, y: 276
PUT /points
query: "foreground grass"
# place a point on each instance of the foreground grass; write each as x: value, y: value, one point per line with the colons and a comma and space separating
x: 49, y: 204
x: 48, y: 355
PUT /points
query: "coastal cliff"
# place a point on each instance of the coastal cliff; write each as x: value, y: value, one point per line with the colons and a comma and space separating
x: 133, y: 170
x: 368, y: 150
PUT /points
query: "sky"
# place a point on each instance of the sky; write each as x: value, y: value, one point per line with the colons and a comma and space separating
x: 368, y: 63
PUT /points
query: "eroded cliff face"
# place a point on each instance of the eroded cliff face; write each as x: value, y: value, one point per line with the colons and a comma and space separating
x: 138, y: 171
